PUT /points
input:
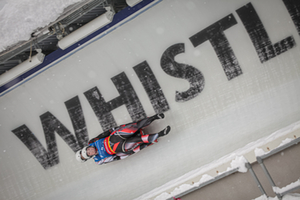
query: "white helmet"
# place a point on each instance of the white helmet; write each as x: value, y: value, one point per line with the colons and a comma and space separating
x: 82, y: 153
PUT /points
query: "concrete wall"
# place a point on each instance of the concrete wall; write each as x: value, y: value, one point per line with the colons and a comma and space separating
x: 283, y: 167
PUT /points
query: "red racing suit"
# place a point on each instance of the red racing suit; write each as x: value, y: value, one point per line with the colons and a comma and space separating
x: 122, y: 141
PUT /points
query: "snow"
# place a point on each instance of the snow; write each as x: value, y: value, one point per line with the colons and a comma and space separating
x: 286, y: 188
x: 293, y: 196
x: 239, y: 162
x: 204, y: 178
x: 287, y: 140
x: 26, y: 16
x: 259, y: 152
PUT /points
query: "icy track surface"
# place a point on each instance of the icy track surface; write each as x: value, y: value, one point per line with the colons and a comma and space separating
x: 199, y: 62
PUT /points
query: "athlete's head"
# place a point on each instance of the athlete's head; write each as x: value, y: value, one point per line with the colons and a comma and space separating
x: 90, y: 151
x: 85, y: 153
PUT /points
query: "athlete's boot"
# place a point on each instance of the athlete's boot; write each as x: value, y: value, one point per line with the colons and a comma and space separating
x: 160, y: 115
x: 157, y: 116
x: 164, y: 132
x: 153, y: 137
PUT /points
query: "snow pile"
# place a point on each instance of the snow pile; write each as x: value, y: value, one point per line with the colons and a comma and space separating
x: 264, y: 197
x: 294, y: 196
x: 286, y: 188
x: 287, y: 140
x: 259, y: 152
x: 240, y: 163
x: 18, y: 19
x: 203, y: 179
